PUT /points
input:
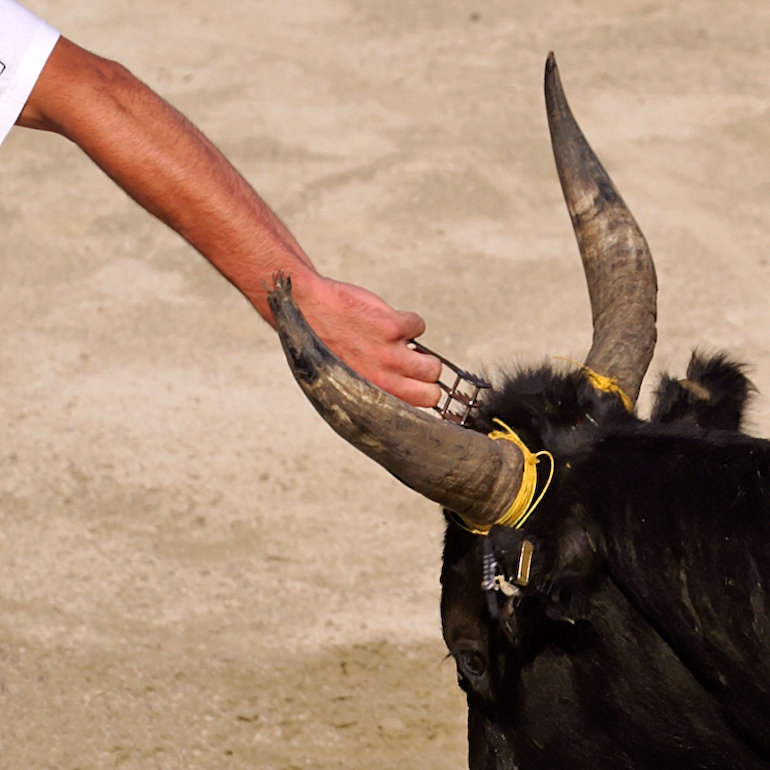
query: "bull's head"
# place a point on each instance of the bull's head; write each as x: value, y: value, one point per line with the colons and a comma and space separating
x: 549, y: 647
x: 463, y: 471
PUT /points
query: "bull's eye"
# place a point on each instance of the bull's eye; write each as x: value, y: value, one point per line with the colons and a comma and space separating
x: 476, y: 664
x: 470, y: 663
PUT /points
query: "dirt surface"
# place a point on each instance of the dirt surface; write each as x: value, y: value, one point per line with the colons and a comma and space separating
x: 195, y: 572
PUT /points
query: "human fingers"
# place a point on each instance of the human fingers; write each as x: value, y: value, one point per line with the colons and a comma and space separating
x: 416, y: 364
x: 410, y: 324
x: 413, y: 392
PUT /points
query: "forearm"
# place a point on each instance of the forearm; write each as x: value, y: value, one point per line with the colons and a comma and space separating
x: 161, y: 160
x: 168, y: 166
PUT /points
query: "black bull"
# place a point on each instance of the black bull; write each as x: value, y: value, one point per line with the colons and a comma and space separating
x: 639, y: 637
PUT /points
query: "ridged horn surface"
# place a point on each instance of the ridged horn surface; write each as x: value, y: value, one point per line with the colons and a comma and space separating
x: 460, y: 469
x: 616, y: 259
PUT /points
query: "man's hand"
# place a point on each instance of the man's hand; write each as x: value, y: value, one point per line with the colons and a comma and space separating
x: 370, y: 337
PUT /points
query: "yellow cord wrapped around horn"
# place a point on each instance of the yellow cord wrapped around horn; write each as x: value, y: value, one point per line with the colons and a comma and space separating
x: 523, y: 506
x: 608, y: 385
x: 602, y: 383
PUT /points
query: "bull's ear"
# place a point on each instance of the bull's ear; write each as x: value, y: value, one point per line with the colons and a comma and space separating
x: 714, y: 394
x: 548, y: 601
x: 563, y: 556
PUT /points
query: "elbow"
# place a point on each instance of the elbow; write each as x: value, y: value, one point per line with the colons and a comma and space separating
x: 72, y: 84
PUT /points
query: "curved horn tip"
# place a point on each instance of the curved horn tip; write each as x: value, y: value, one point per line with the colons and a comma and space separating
x: 555, y: 99
x: 279, y: 294
x: 552, y: 78
x: 281, y: 283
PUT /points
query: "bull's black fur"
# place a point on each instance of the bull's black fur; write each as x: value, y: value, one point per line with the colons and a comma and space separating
x: 642, y: 638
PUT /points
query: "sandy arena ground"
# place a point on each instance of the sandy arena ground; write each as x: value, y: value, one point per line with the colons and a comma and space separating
x: 195, y: 572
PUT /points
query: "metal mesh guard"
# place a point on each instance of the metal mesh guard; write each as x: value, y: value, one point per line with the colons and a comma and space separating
x: 462, y: 396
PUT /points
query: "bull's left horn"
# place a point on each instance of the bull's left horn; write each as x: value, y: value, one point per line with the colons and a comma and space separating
x: 616, y: 258
x: 460, y: 469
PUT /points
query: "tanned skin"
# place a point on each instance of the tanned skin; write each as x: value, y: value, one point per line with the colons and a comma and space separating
x: 173, y: 171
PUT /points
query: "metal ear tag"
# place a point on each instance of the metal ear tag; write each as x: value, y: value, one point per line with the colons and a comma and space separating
x: 525, y: 563
x: 462, y: 396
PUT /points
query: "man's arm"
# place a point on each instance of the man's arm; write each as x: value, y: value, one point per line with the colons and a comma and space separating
x: 169, y: 167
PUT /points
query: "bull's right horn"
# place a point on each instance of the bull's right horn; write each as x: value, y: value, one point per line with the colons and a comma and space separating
x: 460, y: 469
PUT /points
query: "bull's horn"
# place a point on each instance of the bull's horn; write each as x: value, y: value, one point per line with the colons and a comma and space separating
x: 457, y: 468
x: 616, y: 258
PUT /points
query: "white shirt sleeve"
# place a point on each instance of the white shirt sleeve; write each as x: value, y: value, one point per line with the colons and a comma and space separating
x: 26, y: 43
